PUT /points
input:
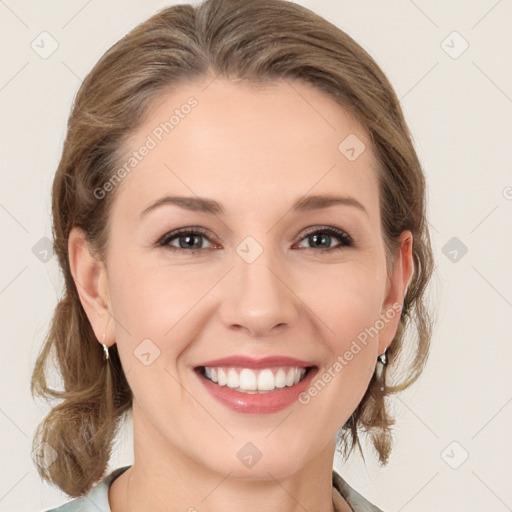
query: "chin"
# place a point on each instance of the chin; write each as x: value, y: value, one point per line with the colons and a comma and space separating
x: 259, y: 458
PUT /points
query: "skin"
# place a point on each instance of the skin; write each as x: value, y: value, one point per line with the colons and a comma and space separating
x: 255, y: 150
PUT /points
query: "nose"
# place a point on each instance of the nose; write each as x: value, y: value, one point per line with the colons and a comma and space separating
x: 258, y: 297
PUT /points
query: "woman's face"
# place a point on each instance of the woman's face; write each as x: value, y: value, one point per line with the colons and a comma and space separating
x: 273, y: 250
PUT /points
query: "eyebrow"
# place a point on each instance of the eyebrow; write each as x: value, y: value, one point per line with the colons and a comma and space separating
x: 211, y: 207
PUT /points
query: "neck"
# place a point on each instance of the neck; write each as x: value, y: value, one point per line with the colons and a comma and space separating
x: 168, y: 480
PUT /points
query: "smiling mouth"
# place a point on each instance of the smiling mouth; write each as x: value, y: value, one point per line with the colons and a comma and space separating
x: 254, y: 381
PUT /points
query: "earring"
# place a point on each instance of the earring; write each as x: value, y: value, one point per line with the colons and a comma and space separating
x: 105, y: 348
x: 383, y: 360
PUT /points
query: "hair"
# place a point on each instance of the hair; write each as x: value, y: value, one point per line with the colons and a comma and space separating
x: 261, y: 41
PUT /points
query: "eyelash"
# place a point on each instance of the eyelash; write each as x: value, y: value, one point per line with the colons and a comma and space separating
x: 344, y: 237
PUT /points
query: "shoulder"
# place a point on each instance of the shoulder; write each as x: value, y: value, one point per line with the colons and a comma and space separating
x: 356, y: 501
x: 95, y: 500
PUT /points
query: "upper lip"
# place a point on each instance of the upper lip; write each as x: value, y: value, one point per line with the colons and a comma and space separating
x: 249, y: 362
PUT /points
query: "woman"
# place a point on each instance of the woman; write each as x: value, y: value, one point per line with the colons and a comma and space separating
x: 239, y: 214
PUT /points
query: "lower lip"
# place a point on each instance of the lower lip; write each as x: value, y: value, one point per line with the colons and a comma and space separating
x: 258, y: 403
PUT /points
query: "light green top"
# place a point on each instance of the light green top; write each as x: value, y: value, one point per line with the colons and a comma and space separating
x: 96, y: 500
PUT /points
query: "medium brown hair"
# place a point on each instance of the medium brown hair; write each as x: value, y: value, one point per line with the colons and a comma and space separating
x: 257, y: 41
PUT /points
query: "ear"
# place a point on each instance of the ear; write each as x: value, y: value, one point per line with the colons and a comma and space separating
x: 397, y: 284
x: 91, y: 281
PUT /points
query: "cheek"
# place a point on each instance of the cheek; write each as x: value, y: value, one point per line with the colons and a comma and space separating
x: 151, y: 299
x: 346, y: 300
x: 148, y: 309
x: 347, y: 310
x: 348, y: 304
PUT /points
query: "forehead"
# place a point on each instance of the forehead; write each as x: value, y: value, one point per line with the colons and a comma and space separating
x: 244, y: 144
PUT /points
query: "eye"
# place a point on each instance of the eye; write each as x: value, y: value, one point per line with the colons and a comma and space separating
x: 322, y: 238
x: 185, y: 239
x: 191, y: 240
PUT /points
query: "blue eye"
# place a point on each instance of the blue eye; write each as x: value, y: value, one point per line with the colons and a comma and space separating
x: 187, y: 239
x: 191, y: 240
x: 325, y: 235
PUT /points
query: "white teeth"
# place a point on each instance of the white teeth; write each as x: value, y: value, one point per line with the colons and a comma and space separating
x: 222, y: 377
x: 266, y: 380
x: 280, y: 378
x: 233, y: 380
x: 248, y: 380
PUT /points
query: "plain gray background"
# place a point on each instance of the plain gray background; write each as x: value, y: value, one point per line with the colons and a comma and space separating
x: 452, y: 449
